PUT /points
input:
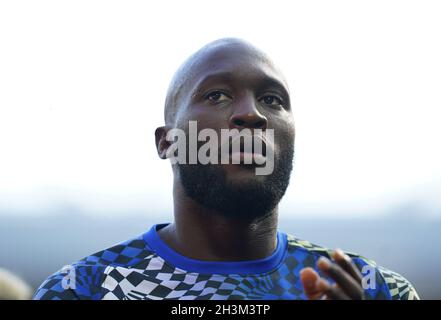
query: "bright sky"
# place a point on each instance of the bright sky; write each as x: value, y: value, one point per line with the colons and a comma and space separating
x: 82, y: 86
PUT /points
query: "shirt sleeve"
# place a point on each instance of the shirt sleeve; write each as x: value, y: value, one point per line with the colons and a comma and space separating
x: 380, y: 283
x: 72, y: 282
x: 399, y: 287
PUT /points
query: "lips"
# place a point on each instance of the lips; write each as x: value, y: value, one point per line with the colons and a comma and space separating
x: 256, y: 152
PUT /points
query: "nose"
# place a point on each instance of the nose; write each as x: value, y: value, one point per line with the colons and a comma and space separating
x: 246, y: 115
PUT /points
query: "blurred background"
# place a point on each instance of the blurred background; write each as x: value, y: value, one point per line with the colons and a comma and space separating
x: 82, y: 88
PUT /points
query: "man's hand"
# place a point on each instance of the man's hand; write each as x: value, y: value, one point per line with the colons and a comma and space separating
x: 348, y: 279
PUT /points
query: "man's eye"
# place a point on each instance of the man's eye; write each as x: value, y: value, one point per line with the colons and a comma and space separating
x: 217, y: 96
x: 272, y: 100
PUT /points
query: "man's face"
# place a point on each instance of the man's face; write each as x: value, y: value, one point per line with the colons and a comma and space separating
x: 237, y: 88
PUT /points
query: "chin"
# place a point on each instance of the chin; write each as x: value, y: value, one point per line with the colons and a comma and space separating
x: 242, y: 176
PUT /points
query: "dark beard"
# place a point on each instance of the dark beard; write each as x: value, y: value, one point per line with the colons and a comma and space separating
x: 208, y: 185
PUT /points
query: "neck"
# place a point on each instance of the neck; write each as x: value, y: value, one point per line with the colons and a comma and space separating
x: 203, y: 234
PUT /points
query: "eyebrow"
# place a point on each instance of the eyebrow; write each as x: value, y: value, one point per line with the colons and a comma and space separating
x: 265, y: 81
x: 227, y: 76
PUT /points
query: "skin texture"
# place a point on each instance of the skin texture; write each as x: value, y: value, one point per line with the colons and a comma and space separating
x: 231, y: 84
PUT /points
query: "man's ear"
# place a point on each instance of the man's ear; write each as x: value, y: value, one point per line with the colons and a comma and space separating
x: 161, y: 142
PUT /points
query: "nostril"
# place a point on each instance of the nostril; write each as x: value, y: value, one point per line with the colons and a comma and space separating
x: 260, y: 124
x: 239, y: 122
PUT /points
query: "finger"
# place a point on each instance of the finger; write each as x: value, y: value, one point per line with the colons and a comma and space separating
x: 348, y: 284
x: 313, y: 287
x: 336, y: 293
x: 344, y: 261
x: 331, y: 292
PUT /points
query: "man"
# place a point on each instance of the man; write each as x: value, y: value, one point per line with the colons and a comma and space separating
x: 224, y: 242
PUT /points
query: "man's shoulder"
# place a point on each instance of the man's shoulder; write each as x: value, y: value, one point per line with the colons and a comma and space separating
x: 379, y: 282
x: 124, y: 254
x: 83, y: 279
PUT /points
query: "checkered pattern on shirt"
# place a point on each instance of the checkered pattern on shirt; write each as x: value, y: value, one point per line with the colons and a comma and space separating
x: 132, y: 270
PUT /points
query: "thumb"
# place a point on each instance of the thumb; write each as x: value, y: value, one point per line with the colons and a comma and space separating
x: 311, y: 282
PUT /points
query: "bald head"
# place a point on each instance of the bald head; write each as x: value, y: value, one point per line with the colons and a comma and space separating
x: 211, y: 56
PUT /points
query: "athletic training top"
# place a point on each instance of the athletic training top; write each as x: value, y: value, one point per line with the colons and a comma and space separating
x: 147, y: 268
